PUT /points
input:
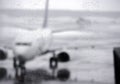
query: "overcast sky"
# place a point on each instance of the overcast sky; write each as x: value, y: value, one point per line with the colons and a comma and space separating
x: 99, y: 5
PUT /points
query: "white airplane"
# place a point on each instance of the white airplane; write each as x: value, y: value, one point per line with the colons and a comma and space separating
x: 31, y: 43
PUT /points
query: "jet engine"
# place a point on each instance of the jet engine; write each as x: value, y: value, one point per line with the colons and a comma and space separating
x: 63, y: 57
x: 3, y: 54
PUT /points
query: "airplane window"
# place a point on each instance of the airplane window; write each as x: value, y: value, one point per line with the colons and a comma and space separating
x: 24, y: 44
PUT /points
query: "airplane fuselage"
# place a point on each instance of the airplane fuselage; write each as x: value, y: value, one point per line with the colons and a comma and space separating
x: 29, y: 44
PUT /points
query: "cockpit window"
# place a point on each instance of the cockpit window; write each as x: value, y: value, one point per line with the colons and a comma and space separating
x: 23, y: 44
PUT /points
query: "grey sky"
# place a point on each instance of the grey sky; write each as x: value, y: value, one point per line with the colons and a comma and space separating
x: 99, y: 5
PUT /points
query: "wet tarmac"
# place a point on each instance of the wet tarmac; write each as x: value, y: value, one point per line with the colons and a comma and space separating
x: 84, y: 70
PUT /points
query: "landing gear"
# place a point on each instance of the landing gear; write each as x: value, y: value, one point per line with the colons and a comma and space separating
x: 19, y: 69
x: 62, y: 74
x: 53, y: 63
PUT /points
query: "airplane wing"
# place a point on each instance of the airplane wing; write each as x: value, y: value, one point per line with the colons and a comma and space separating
x: 81, y: 40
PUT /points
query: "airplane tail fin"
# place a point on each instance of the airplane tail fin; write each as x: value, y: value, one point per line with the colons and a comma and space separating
x: 45, y: 21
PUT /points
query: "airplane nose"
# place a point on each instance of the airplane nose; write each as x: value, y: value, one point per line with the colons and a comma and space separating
x: 20, y: 51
